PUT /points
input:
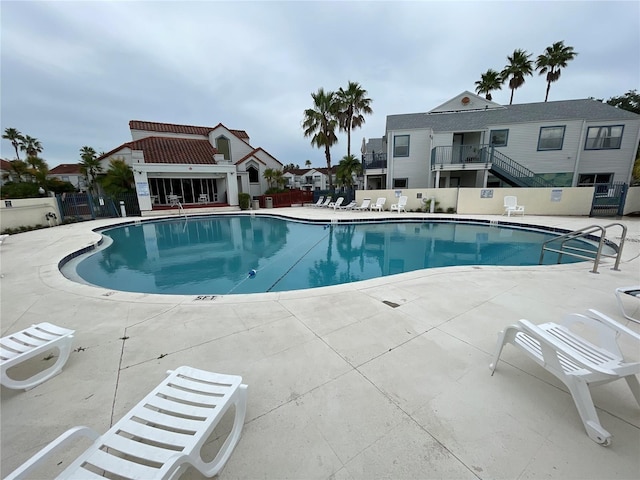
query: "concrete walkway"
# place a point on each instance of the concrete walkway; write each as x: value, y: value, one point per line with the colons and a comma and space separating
x: 341, y: 384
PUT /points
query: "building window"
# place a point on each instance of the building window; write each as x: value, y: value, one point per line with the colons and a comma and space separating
x: 254, y: 176
x: 223, y: 146
x: 401, y: 146
x: 590, y: 179
x: 498, y: 138
x: 400, y: 182
x: 603, y: 138
x: 551, y: 138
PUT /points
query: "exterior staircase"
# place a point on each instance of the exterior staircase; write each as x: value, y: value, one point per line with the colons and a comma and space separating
x: 502, y: 166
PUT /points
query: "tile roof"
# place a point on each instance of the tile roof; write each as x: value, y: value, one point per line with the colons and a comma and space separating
x: 175, y: 150
x: 65, y: 169
x: 588, y: 109
x: 4, y: 164
x: 181, y: 129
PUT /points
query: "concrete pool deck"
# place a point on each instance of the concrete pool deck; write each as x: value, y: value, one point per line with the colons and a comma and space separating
x: 341, y: 384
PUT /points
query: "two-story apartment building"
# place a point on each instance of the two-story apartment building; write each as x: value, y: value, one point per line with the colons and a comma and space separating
x: 309, y: 179
x: 469, y: 141
x: 195, y: 165
x: 69, y: 172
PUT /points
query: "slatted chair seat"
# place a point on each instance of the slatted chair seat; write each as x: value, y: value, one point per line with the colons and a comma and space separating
x: 575, y: 361
x: 28, y: 343
x: 162, y: 435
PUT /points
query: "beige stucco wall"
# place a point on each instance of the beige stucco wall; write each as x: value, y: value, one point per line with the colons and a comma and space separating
x: 536, y: 201
x: 27, y: 212
x: 632, y: 203
x: 478, y: 201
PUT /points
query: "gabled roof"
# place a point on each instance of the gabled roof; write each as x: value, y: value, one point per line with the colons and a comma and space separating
x: 466, y: 101
x: 181, y: 129
x: 299, y: 171
x: 253, y: 154
x: 4, y: 164
x: 188, y: 151
x: 587, y: 109
x: 65, y: 169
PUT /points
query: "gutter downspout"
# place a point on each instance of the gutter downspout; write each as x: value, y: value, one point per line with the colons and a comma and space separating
x: 574, y: 181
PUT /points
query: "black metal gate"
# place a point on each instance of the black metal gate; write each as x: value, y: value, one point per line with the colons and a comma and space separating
x: 85, y: 206
x: 608, y: 199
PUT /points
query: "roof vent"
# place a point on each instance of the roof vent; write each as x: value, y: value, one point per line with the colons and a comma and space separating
x: 465, y: 100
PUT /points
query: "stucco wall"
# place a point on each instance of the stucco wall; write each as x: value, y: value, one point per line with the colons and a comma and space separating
x: 27, y: 212
x: 471, y: 201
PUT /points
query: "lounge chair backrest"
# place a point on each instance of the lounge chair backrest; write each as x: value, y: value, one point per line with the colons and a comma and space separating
x: 160, y: 436
x: 577, y: 362
x: 510, y: 201
x: 31, y: 342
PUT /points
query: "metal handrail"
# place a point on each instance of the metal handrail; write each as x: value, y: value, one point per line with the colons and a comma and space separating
x: 583, y: 233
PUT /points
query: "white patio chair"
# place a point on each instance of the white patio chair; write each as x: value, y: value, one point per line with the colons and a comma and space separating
x: 326, y: 202
x: 203, y: 198
x: 624, y: 293
x: 26, y: 344
x: 575, y: 361
x: 349, y: 206
x: 366, y: 203
x: 400, y: 206
x: 511, y: 206
x: 335, y: 205
x: 161, y: 436
x: 379, y: 205
x: 319, y: 202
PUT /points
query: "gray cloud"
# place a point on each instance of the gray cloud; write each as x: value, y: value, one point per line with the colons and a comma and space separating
x: 75, y: 73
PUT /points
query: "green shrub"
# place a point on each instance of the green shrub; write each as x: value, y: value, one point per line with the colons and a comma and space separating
x: 244, y: 199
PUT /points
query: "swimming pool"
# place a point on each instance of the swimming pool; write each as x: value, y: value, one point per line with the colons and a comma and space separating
x: 232, y: 254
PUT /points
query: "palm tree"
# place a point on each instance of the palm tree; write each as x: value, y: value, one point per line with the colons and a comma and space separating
x: 489, y: 81
x: 15, y: 137
x: 279, y: 178
x: 118, y: 178
x: 307, y: 163
x: 268, y: 175
x: 18, y: 170
x: 31, y: 146
x: 90, y: 166
x: 552, y: 60
x: 354, y: 105
x: 346, y: 168
x: 518, y: 67
x: 320, y: 123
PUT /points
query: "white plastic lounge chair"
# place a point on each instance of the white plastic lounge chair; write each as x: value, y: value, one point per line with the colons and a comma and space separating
x: 162, y: 435
x: 3, y: 237
x: 577, y: 362
x: 623, y: 293
x: 335, y: 205
x: 349, y: 206
x: 511, y: 206
x: 366, y: 203
x: 319, y: 202
x: 400, y: 206
x: 28, y: 343
x: 379, y: 205
x: 326, y: 202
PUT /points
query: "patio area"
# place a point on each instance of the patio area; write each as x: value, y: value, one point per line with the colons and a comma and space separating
x: 385, y: 378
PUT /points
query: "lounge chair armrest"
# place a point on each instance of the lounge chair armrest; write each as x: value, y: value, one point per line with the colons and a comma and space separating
x: 618, y: 327
x: 25, y: 470
x: 552, y: 347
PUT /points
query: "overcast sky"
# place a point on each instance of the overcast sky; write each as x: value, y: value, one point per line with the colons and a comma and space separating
x: 75, y: 73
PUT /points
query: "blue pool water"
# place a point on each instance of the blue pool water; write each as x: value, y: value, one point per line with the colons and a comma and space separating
x: 234, y: 254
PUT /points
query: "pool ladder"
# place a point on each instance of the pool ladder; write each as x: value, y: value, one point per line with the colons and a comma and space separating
x: 586, y: 232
